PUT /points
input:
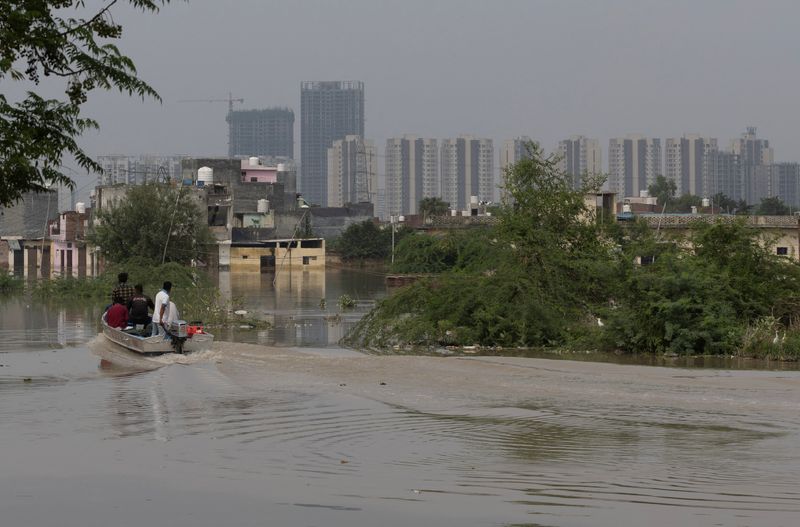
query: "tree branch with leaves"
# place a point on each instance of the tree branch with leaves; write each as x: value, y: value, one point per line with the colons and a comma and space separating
x: 38, y: 40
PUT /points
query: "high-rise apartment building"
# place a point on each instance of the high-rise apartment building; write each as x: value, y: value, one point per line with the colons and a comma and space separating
x: 352, y: 177
x: 467, y: 169
x: 727, y: 176
x: 268, y: 132
x: 756, y: 157
x: 412, y: 173
x: 690, y: 162
x: 580, y: 155
x: 785, y: 183
x: 513, y: 150
x: 751, y: 149
x: 634, y: 162
x: 329, y: 111
x: 138, y: 169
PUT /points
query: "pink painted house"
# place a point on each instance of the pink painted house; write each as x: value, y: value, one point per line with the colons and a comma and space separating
x: 254, y: 172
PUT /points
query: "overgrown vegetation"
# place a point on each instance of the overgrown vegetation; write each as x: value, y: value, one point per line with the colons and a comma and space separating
x: 9, y: 283
x: 193, y: 291
x: 367, y: 241
x: 154, y: 222
x: 550, y: 275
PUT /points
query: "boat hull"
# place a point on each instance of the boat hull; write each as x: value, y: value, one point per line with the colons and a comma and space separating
x: 157, y: 345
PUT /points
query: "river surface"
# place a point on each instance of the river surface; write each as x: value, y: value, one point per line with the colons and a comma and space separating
x: 281, y: 427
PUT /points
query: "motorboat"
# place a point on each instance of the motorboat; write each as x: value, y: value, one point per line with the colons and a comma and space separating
x: 181, y: 337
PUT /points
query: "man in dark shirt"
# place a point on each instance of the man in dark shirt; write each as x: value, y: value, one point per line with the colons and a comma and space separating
x: 117, y: 316
x: 137, y: 306
x: 122, y: 292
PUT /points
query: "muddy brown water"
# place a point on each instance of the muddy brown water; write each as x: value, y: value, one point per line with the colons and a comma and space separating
x: 285, y: 428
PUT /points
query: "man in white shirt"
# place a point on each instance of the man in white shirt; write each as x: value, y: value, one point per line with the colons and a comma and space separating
x: 161, y: 310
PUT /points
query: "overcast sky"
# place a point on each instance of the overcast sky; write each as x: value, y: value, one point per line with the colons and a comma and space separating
x: 437, y: 68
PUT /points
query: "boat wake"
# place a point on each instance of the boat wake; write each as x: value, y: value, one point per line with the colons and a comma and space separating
x: 125, y: 359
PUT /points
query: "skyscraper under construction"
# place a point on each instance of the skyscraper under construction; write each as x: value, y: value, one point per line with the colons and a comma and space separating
x: 268, y: 132
x: 329, y: 111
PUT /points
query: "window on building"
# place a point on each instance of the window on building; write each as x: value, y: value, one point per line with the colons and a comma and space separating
x: 306, y: 260
x: 782, y: 251
x: 244, y: 257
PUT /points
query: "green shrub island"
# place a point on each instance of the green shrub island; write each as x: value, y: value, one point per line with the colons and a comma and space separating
x: 552, y: 275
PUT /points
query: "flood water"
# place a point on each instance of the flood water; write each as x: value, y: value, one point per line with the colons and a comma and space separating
x: 283, y: 428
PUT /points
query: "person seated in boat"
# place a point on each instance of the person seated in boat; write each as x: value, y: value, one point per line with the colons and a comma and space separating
x: 161, y: 310
x: 122, y: 292
x: 117, y: 316
x: 137, y: 307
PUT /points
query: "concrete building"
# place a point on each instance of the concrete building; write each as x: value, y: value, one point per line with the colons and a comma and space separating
x: 277, y: 255
x: 412, y: 173
x: 513, y: 150
x: 352, y: 172
x: 727, y: 176
x: 755, y: 158
x: 329, y: 111
x: 634, y: 162
x: 580, y: 155
x: 467, y: 169
x: 690, y: 163
x: 785, y: 183
x: 71, y: 255
x: 138, y: 169
x: 268, y: 132
x: 752, y: 150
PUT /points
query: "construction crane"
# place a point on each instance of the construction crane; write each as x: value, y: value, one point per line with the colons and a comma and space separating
x: 230, y: 100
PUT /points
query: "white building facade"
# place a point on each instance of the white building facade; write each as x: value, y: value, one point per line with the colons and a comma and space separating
x: 352, y: 177
x: 412, y: 173
x: 580, y: 155
x: 634, y: 162
x: 467, y: 169
x: 690, y: 161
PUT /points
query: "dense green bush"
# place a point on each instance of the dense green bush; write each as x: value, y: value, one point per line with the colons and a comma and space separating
x: 551, y: 275
x: 9, y: 283
x: 367, y: 241
x: 460, y: 250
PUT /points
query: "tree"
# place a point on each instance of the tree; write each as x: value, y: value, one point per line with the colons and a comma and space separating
x: 722, y: 203
x: 37, y: 40
x: 139, y: 226
x: 433, y: 207
x: 366, y: 240
x: 664, y: 189
x: 773, y: 207
x: 684, y: 203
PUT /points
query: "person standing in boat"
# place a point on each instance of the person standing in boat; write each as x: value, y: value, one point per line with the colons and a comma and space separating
x: 122, y: 292
x: 161, y: 310
x: 137, y: 307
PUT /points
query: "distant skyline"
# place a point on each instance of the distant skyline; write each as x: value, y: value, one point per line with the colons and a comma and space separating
x: 546, y: 69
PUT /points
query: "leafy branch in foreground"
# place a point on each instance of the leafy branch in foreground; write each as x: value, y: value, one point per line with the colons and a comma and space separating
x: 37, y: 40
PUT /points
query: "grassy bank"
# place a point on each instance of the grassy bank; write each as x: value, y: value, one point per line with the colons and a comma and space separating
x: 193, y: 291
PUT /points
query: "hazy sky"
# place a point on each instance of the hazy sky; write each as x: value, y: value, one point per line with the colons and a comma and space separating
x: 495, y: 69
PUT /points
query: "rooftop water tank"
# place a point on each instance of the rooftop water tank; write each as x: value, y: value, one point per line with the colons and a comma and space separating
x: 254, y: 162
x: 706, y: 202
x: 644, y: 194
x: 281, y: 167
x: 80, y: 207
x: 473, y: 200
x: 206, y: 175
x: 263, y: 206
x: 626, y: 208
